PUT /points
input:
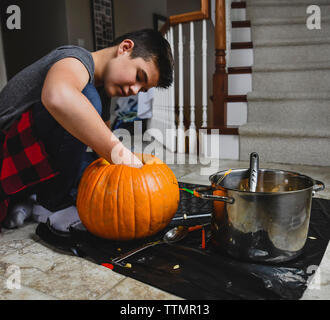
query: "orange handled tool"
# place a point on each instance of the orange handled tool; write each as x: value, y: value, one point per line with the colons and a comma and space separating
x: 198, y: 227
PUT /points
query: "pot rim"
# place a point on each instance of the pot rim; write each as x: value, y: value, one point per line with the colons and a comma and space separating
x: 314, y: 182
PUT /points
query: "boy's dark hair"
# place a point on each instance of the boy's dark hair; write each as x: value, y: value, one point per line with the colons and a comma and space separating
x: 150, y: 44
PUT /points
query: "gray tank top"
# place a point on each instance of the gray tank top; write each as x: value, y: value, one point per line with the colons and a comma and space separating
x: 24, y: 89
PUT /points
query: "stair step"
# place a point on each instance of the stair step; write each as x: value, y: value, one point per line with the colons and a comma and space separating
x: 282, y: 21
x: 300, y: 130
x: 241, y: 24
x: 289, y: 150
x: 292, y: 80
x: 269, y: 3
x: 290, y: 42
x: 289, y: 108
x: 281, y: 29
x: 301, y: 66
x: 227, y: 130
x: 301, y: 145
x: 292, y: 54
x: 241, y: 45
x: 285, y: 96
x: 236, y: 98
x: 290, y: 10
x: 290, y: 112
x: 238, y: 5
x: 239, y: 70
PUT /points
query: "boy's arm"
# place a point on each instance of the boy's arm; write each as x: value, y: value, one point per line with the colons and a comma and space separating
x: 62, y: 96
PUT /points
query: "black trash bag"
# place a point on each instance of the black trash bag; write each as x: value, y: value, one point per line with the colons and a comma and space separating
x: 203, y: 273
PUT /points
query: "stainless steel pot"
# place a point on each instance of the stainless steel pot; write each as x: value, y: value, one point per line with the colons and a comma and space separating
x: 268, y: 225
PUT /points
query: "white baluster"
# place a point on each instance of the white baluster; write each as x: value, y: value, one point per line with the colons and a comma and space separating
x: 181, y: 136
x: 204, y: 55
x: 192, y: 127
x: 172, y: 126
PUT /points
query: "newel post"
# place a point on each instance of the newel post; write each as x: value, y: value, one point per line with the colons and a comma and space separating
x: 220, y: 77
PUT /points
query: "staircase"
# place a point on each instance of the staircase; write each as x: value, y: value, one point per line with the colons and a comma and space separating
x: 288, y: 109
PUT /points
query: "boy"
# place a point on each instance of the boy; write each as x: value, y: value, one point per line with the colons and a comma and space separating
x: 50, y: 112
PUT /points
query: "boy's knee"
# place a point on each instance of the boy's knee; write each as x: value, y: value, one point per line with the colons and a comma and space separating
x: 91, y: 93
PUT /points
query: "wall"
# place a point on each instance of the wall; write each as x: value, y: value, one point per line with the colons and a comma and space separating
x: 44, y: 28
x: 3, y: 74
x: 133, y: 15
x: 79, y: 23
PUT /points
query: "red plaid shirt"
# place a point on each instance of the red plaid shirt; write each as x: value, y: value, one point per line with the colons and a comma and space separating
x: 24, y: 161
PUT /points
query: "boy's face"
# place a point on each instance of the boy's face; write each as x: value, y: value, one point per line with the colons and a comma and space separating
x: 125, y: 76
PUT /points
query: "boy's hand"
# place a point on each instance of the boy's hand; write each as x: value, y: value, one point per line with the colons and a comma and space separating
x: 121, y: 155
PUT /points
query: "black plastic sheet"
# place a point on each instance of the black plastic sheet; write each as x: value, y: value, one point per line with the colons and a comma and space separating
x: 203, y: 273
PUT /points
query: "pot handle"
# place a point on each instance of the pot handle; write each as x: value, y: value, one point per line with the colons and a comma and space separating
x: 197, y: 193
x: 320, y: 184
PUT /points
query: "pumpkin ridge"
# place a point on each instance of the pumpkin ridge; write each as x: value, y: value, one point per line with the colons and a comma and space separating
x: 125, y: 180
x: 83, y: 191
x: 132, y: 188
x: 118, y: 218
x: 100, y: 217
x: 88, y: 215
x: 110, y: 170
x: 145, y: 191
x: 147, y: 188
x: 94, y: 195
x: 172, y: 177
x: 159, y: 188
x: 84, y: 181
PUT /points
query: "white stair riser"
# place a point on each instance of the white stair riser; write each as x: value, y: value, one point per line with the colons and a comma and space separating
x: 241, y: 35
x: 236, y: 113
x: 289, y: 31
x: 239, y: 58
x: 239, y: 84
x: 220, y: 146
x: 284, y: 11
x: 292, y: 54
x: 238, y: 14
x: 295, y: 150
x: 290, y: 113
x: 300, y: 81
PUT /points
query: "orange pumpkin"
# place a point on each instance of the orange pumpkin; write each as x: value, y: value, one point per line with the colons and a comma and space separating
x: 119, y: 202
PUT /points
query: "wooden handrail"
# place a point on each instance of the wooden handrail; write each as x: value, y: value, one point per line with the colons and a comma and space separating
x: 204, y: 13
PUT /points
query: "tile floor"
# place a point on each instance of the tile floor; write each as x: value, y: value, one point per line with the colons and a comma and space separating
x: 49, y: 274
